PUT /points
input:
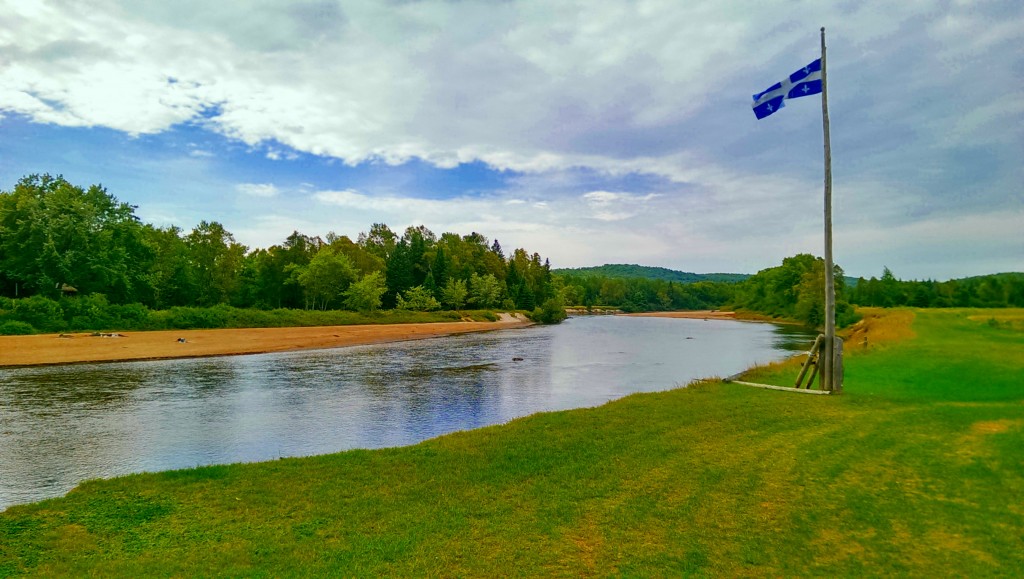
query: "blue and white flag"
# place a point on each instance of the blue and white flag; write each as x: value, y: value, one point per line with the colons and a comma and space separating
x: 804, y: 82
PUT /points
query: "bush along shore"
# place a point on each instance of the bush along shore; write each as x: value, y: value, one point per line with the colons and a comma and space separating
x: 93, y: 313
x: 915, y: 470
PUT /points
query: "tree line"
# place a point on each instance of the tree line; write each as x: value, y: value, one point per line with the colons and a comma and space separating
x: 989, y: 291
x: 623, y: 270
x: 58, y: 239
x: 794, y: 290
x: 638, y: 294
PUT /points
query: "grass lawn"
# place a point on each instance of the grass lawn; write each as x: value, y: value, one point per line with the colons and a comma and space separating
x: 917, y: 469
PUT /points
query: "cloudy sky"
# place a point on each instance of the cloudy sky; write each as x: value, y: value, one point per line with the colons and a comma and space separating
x: 592, y: 132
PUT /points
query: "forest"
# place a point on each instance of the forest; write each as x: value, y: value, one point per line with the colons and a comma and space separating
x: 622, y: 270
x: 988, y: 291
x: 793, y: 290
x: 73, y: 258
x: 63, y: 246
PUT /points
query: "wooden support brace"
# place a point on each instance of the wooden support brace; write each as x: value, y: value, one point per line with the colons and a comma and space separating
x: 812, y: 357
x: 782, y: 388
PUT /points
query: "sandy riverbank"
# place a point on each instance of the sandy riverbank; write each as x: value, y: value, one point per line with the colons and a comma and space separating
x: 46, y: 349
x: 695, y: 314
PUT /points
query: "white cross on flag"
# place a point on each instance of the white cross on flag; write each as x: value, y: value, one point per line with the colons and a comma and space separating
x: 804, y: 82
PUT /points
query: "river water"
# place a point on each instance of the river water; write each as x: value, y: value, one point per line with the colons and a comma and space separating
x: 61, y: 425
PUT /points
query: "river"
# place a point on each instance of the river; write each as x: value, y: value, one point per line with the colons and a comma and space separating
x: 60, y: 425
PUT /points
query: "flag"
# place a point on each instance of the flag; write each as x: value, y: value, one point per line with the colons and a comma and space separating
x: 804, y: 82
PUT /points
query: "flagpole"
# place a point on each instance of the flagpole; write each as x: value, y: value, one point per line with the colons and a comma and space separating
x: 829, y: 381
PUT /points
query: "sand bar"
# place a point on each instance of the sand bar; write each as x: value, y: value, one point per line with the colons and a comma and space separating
x: 48, y: 349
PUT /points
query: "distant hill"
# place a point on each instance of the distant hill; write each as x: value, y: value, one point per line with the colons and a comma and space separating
x: 1006, y: 276
x: 621, y: 270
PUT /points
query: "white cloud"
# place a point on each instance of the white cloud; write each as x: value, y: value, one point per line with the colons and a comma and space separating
x: 278, y: 154
x: 196, y: 151
x: 514, y: 84
x: 615, y: 89
x: 264, y: 190
x: 611, y: 206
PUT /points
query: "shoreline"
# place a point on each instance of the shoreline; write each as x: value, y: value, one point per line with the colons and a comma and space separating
x: 689, y: 315
x: 739, y: 316
x: 84, y: 348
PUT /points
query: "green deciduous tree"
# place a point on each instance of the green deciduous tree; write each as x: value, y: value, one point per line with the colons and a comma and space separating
x: 484, y: 291
x: 217, y: 260
x: 418, y: 299
x: 552, y: 311
x: 365, y: 294
x: 796, y: 290
x: 380, y: 241
x: 325, y: 278
x: 454, y: 294
x: 53, y: 233
x: 172, y: 273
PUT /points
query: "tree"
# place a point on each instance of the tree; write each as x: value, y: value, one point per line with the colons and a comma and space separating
x: 892, y: 292
x: 484, y: 291
x: 380, y: 241
x: 439, y: 268
x: 525, y: 298
x: 365, y: 294
x: 54, y: 233
x: 419, y: 240
x: 572, y: 294
x: 551, y: 312
x: 810, y: 297
x: 217, y: 259
x: 418, y: 299
x: 172, y: 274
x: 796, y: 290
x: 398, y: 274
x: 363, y: 260
x: 613, y: 291
x: 454, y: 294
x: 431, y: 286
x: 326, y: 277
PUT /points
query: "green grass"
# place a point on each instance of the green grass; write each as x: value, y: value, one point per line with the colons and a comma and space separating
x: 918, y: 469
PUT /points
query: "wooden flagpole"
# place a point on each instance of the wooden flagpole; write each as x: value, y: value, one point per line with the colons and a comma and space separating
x: 831, y: 378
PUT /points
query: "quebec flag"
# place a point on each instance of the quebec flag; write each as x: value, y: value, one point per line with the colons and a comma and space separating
x: 804, y: 82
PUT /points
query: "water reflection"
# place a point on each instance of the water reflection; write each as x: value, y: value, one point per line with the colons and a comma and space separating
x: 60, y: 425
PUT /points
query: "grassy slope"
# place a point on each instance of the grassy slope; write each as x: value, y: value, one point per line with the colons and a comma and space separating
x: 917, y: 469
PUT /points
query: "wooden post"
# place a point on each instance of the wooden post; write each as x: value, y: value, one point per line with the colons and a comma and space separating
x: 829, y: 348
x: 810, y: 360
x: 837, y: 367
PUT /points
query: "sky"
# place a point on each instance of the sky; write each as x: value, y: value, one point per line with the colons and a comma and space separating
x: 590, y: 132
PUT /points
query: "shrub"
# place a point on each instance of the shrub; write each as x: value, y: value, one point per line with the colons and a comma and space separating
x: 39, y: 312
x: 551, y: 311
x: 16, y: 328
x: 418, y: 299
x: 180, y: 318
x: 87, y: 312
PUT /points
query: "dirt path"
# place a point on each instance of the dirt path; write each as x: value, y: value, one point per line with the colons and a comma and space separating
x: 46, y: 349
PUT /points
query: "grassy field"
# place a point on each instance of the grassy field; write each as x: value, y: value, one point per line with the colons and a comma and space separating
x: 918, y: 469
